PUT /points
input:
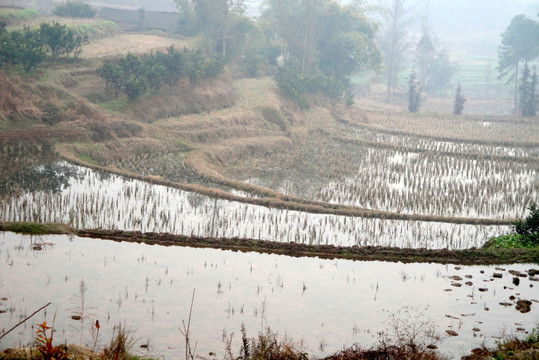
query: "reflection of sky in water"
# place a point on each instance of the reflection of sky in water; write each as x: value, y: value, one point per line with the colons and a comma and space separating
x: 339, y: 295
x: 96, y: 200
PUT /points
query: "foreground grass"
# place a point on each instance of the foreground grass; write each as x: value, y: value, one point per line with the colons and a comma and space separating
x: 268, y: 345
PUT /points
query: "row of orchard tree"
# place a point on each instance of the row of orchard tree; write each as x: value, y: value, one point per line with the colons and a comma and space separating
x: 27, y: 48
x: 136, y: 74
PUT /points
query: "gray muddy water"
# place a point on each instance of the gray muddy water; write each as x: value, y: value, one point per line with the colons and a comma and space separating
x: 325, y: 304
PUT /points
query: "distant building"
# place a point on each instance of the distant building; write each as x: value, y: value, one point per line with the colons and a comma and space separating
x: 137, y: 20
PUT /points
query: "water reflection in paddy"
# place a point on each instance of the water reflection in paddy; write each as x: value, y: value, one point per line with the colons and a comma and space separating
x: 96, y: 200
x: 326, y: 303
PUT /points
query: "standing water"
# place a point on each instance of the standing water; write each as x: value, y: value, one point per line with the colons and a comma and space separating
x: 325, y: 304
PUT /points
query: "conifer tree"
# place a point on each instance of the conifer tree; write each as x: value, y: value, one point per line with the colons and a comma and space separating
x: 459, y: 101
x: 527, y: 100
x: 414, y: 93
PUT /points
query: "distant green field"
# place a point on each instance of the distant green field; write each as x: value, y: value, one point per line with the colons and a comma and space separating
x: 7, y: 14
x: 477, y: 76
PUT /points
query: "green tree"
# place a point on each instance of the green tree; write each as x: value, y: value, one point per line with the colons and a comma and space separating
x: 259, y: 50
x: 364, y: 7
x: 154, y: 71
x: 439, y: 74
x: 345, y: 43
x: 414, y: 93
x: 134, y: 87
x: 520, y: 42
x: 141, y: 19
x: 527, y: 99
x: 175, y: 64
x: 214, y: 18
x: 23, y: 48
x: 74, y: 9
x: 424, y: 57
x: 323, y: 44
x: 112, y: 74
x: 459, y: 101
x: 61, y: 40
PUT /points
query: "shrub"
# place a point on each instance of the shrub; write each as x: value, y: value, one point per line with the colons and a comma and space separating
x: 510, y: 241
x: 52, y: 113
x: 529, y: 228
x: 74, y: 9
x: 530, y: 225
x: 525, y: 235
x: 292, y: 86
x: 266, y: 346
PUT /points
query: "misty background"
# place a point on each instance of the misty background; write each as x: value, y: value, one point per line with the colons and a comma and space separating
x: 468, y: 31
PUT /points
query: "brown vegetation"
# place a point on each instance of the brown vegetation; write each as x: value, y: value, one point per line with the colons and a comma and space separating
x: 17, y: 102
x: 134, y: 43
x: 470, y: 256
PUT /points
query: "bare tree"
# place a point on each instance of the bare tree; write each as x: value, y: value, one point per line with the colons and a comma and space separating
x: 394, y: 41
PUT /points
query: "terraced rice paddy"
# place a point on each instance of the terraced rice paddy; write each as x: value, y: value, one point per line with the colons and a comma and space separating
x: 404, y: 173
x: 97, y: 200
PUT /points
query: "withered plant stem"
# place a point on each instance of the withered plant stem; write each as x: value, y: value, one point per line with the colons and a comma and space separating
x: 189, y: 353
x: 22, y: 322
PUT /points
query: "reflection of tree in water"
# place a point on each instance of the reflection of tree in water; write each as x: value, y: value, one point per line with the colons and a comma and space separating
x: 46, y: 177
x: 195, y: 200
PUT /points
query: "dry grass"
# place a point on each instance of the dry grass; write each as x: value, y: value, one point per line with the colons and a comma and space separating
x: 477, y: 129
x: 93, y: 28
x: 17, y: 102
x: 130, y: 43
x: 510, y: 348
x: 71, y: 22
x: 185, y: 102
x: 253, y: 92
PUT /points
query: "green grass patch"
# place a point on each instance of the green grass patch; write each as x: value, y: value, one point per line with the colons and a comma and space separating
x: 87, y: 159
x: 511, y: 241
x: 35, y: 228
x: 115, y: 105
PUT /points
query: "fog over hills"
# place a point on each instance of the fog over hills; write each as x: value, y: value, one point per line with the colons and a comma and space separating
x: 464, y: 26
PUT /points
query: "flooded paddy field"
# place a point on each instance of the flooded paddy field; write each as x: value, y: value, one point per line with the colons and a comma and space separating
x: 326, y: 304
x: 89, y: 199
x: 405, y: 174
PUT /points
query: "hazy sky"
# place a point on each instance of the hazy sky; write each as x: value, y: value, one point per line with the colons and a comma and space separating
x: 462, y: 25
